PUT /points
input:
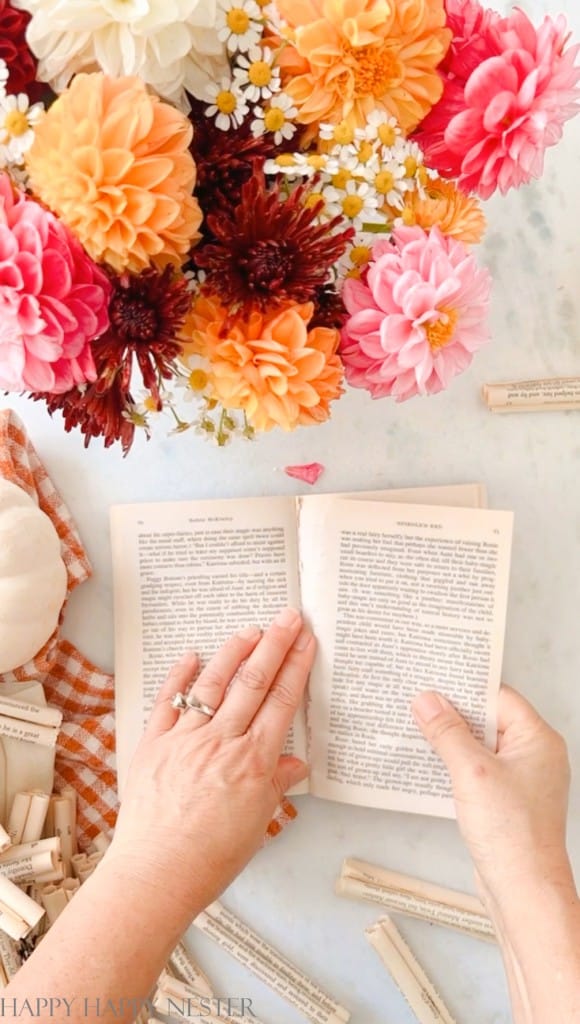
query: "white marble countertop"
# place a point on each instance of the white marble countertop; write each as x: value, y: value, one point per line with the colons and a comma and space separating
x: 530, y: 463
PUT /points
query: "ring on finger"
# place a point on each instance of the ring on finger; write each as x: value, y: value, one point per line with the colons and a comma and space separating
x: 193, y: 703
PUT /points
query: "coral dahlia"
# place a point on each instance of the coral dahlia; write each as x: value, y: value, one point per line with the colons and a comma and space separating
x: 417, y: 317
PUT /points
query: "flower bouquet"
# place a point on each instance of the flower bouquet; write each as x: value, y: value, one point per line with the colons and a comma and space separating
x: 245, y: 203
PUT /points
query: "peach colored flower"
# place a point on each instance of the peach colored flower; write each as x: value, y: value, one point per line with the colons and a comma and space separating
x: 444, y: 205
x: 268, y: 364
x: 114, y: 164
x: 364, y: 55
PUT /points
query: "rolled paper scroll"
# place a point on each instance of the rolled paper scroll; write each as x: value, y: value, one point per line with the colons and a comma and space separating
x: 545, y: 395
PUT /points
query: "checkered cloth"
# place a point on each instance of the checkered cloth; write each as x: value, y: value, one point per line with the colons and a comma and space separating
x: 85, y: 755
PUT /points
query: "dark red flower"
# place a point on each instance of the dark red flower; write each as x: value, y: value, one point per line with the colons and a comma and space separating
x: 146, y: 313
x: 14, y: 50
x: 269, y: 248
x: 329, y: 309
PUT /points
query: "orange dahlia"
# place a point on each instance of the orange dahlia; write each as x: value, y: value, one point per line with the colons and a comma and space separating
x: 446, y: 206
x: 268, y: 363
x: 361, y: 55
x: 113, y: 163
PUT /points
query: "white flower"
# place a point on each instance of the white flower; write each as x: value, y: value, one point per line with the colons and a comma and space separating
x: 390, y: 182
x: 286, y: 164
x: 256, y: 75
x: 229, y: 104
x: 382, y: 128
x: 357, y: 202
x: 17, y: 122
x: 4, y: 74
x: 277, y: 119
x: 195, y: 381
x: 239, y: 24
x: 173, y: 45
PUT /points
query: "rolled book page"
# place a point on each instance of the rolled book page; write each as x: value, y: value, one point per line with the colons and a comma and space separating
x: 21, y: 850
x: 9, y: 956
x: 79, y: 862
x: 70, y: 794
x: 18, y: 913
x: 547, y: 395
x: 37, y: 810
x: 18, y: 815
x: 64, y: 810
x: 28, y: 732
x: 269, y: 965
x: 101, y: 843
x: 188, y: 971
x: 24, y: 712
x: 69, y: 887
x: 54, y: 901
x: 415, y: 898
x: 5, y: 840
x: 407, y: 973
x: 32, y: 868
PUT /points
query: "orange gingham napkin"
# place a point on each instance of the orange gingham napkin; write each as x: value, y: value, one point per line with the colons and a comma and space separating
x: 85, y: 753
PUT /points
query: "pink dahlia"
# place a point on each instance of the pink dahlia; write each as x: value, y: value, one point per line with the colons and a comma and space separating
x: 491, y: 130
x: 53, y: 299
x: 417, y: 317
x: 472, y: 41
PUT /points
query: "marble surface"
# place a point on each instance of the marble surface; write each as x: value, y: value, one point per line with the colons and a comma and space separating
x: 530, y: 463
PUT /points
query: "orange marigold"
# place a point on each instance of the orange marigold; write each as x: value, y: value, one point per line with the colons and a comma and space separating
x: 365, y: 54
x: 113, y: 163
x: 269, y: 364
x: 446, y: 206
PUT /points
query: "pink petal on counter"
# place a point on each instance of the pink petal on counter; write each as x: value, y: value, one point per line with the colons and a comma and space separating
x: 309, y: 473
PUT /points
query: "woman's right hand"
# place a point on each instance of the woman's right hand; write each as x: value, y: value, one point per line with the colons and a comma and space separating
x: 511, y: 805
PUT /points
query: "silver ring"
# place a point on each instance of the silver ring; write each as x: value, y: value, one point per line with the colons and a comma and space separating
x: 195, y: 704
x: 179, y: 702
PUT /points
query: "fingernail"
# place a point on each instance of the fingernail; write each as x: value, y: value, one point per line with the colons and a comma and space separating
x: 287, y: 618
x: 249, y: 633
x: 428, y: 705
x: 302, y: 640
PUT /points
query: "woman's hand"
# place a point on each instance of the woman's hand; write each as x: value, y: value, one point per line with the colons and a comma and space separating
x: 511, y: 805
x: 201, y: 792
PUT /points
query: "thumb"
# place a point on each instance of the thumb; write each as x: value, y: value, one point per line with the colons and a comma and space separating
x: 446, y: 730
x: 290, y: 771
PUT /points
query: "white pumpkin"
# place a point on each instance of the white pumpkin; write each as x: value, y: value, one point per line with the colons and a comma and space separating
x: 33, y: 578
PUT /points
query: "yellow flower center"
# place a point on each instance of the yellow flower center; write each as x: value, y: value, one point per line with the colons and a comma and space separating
x: 376, y: 68
x: 238, y: 21
x: 16, y: 123
x: 440, y: 332
x: 285, y: 160
x: 352, y: 206
x: 341, y: 178
x: 314, y: 199
x: 384, y: 182
x: 260, y: 73
x: 387, y: 135
x: 411, y: 166
x: 408, y: 217
x: 343, y: 134
x: 365, y: 152
x: 422, y: 176
x: 226, y: 101
x: 360, y: 255
x: 317, y: 161
x: 274, y: 119
x: 197, y: 380
x: 150, y: 404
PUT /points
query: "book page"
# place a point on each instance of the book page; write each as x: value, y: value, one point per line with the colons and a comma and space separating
x: 402, y: 598
x: 186, y: 576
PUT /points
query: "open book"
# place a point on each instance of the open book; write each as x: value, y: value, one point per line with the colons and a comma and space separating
x: 405, y: 590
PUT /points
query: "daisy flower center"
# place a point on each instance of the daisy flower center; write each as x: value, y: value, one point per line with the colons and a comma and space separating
x: 197, y: 380
x: 343, y: 134
x: 274, y: 119
x: 16, y: 123
x: 226, y: 101
x: 387, y: 135
x: 341, y: 178
x: 238, y: 21
x: 360, y: 255
x: 384, y: 182
x: 440, y: 332
x: 365, y: 152
x: 352, y: 206
x: 375, y: 68
x: 411, y: 166
x: 260, y: 73
x: 150, y: 404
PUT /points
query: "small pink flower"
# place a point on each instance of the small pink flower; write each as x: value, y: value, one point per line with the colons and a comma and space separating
x: 53, y: 299
x: 491, y: 129
x: 417, y: 318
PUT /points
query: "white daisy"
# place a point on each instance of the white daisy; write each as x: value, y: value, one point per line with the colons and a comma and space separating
x: 4, y: 74
x: 277, y: 119
x: 357, y: 256
x: 256, y: 76
x: 342, y: 134
x: 227, y: 105
x: 239, y: 24
x: 382, y: 128
x: 286, y: 164
x: 17, y: 123
x: 357, y: 203
x: 195, y: 381
x: 390, y: 182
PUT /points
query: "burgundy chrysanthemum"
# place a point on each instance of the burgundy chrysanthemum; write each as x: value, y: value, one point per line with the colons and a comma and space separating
x: 14, y: 50
x: 146, y: 313
x: 225, y: 160
x: 270, y: 249
x: 329, y: 309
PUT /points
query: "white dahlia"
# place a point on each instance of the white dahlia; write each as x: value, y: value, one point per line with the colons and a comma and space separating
x: 172, y: 45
